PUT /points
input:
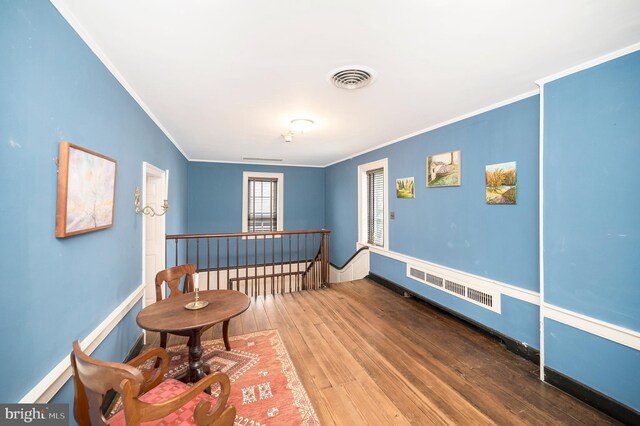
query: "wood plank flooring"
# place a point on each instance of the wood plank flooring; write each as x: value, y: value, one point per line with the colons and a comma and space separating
x: 369, y: 356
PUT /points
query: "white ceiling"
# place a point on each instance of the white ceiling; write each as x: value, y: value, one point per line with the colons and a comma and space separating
x: 224, y: 78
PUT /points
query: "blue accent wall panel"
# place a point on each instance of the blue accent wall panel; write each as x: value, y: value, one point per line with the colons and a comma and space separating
x: 591, y: 197
x: 58, y: 290
x: 215, y: 196
x: 454, y: 226
x: 601, y: 364
x: 518, y: 319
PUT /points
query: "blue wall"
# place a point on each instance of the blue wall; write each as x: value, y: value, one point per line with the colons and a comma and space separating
x: 454, y: 226
x: 215, y: 196
x: 592, y: 224
x: 58, y: 290
x: 215, y: 205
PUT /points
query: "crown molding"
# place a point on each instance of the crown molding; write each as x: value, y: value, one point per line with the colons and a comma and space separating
x: 443, y: 123
x: 102, y: 56
x: 256, y: 163
x: 590, y: 64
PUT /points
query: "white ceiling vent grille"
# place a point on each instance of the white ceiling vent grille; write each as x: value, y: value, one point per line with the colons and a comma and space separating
x: 457, y: 285
x: 351, y: 77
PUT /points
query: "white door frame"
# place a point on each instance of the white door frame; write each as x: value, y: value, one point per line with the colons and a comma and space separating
x: 152, y: 171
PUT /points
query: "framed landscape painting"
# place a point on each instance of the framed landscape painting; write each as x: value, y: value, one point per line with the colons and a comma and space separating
x: 501, y: 182
x: 443, y: 169
x: 405, y: 188
x: 86, y: 191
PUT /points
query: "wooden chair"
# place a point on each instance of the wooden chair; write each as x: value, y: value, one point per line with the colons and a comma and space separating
x: 145, y: 396
x: 172, y: 277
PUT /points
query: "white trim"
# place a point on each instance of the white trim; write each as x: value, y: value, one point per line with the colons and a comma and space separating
x: 58, y: 376
x: 541, y: 227
x: 362, y: 202
x: 356, y: 269
x: 149, y: 169
x: 245, y: 196
x: 442, y: 124
x: 264, y: 163
x: 615, y: 333
x: 86, y: 37
x: 590, y: 64
x: 489, y: 284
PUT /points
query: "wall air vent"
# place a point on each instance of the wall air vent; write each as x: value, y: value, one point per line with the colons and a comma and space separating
x: 455, y: 287
x: 351, y: 77
x: 416, y: 273
x: 480, y: 297
x: 433, y: 280
x: 261, y: 159
x: 459, y: 285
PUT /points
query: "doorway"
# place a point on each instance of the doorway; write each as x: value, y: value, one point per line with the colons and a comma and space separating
x: 153, y: 230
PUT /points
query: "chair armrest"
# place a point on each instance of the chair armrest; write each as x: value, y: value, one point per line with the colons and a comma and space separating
x: 202, y: 413
x: 154, y: 377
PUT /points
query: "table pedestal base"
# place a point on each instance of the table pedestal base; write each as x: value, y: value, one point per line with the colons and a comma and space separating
x: 197, y: 368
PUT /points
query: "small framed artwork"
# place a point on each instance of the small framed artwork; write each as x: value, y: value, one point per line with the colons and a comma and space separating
x: 443, y: 169
x: 86, y: 191
x: 501, y: 182
x: 405, y: 188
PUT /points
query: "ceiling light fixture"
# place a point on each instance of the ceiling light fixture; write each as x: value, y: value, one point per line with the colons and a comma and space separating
x: 301, y: 125
x: 298, y: 126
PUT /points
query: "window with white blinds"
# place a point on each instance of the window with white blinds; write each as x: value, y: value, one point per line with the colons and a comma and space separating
x: 375, y: 207
x: 262, y: 202
x: 263, y: 205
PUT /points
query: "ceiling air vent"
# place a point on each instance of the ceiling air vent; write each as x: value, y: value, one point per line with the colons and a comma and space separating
x: 351, y: 77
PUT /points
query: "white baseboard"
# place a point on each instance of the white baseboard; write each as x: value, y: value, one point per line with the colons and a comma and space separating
x: 58, y: 376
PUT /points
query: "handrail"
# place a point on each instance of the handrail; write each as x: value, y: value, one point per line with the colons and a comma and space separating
x: 283, y: 261
x: 350, y: 259
x: 246, y: 234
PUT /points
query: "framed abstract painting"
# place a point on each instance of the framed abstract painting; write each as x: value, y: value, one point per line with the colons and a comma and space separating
x: 86, y: 191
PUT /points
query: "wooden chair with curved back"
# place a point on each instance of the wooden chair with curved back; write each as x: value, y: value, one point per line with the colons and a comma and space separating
x: 173, y: 277
x: 145, y: 396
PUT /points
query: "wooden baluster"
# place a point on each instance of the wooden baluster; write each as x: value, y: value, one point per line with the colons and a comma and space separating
x: 290, y: 269
x: 273, y: 262
x: 264, y: 264
x: 218, y: 264
x: 281, y: 262
x: 176, y: 240
x: 255, y: 265
x: 246, y: 267
x: 208, y: 262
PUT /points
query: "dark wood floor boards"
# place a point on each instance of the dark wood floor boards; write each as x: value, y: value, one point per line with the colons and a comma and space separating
x: 369, y: 356
x: 493, y: 375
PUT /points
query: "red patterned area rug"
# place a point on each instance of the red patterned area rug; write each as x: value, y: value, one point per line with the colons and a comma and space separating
x: 265, y: 387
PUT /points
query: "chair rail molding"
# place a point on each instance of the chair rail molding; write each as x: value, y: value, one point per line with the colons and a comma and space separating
x: 58, y: 376
x: 606, y: 330
x: 507, y: 289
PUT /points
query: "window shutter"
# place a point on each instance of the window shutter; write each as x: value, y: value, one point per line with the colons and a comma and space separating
x: 375, y: 207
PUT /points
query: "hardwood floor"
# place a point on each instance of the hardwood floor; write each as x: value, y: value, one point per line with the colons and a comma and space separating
x: 368, y: 356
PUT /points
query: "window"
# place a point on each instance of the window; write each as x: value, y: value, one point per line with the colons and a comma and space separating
x: 262, y: 201
x: 375, y: 207
x: 372, y: 204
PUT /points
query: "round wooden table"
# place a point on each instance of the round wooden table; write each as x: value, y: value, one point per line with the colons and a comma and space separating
x: 171, y: 316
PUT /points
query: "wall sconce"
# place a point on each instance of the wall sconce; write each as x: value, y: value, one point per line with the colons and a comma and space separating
x: 148, y: 210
